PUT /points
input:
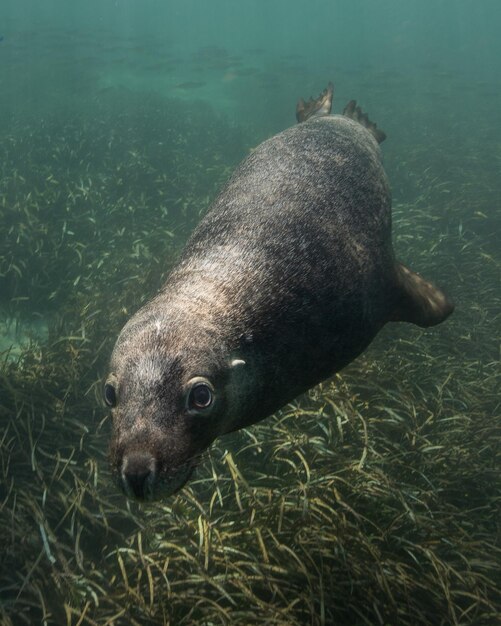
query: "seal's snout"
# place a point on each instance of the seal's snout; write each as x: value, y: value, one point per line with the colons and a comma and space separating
x: 138, y: 474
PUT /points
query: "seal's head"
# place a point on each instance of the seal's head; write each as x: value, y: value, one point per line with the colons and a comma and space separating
x: 170, y: 397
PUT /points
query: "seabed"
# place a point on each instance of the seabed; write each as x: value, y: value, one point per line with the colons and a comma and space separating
x: 373, y: 500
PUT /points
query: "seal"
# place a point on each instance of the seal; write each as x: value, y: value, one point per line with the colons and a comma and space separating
x: 287, y: 278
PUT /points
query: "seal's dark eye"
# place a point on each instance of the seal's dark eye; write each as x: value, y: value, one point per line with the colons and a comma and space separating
x: 110, y: 396
x: 200, y: 396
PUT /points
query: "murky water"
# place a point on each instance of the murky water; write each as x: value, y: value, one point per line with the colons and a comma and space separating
x: 375, y: 498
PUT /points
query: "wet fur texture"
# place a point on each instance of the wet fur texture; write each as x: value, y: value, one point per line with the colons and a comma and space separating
x: 292, y: 271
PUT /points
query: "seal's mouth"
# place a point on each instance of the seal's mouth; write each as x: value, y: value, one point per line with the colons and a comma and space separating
x: 142, y: 478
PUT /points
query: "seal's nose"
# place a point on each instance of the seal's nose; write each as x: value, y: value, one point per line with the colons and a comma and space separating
x: 138, y: 474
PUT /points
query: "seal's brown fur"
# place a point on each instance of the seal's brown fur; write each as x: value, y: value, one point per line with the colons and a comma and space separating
x: 290, y: 275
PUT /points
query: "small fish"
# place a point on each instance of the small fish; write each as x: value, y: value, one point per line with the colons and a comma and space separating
x: 1, y: 38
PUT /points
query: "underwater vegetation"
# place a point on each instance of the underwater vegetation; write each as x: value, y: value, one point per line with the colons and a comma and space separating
x: 373, y: 500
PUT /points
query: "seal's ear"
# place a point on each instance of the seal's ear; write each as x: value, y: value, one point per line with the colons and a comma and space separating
x: 237, y: 363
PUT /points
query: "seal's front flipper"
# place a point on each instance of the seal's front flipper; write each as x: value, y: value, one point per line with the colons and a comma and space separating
x: 315, y: 107
x: 419, y: 301
x: 354, y: 112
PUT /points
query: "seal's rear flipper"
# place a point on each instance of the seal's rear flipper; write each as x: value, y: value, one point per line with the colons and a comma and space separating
x: 354, y: 112
x: 419, y: 301
x: 315, y: 108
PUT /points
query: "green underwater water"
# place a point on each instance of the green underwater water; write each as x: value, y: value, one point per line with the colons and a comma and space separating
x: 375, y: 498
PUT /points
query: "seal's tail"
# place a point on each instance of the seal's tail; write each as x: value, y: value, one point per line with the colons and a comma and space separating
x: 315, y: 107
x: 354, y: 112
